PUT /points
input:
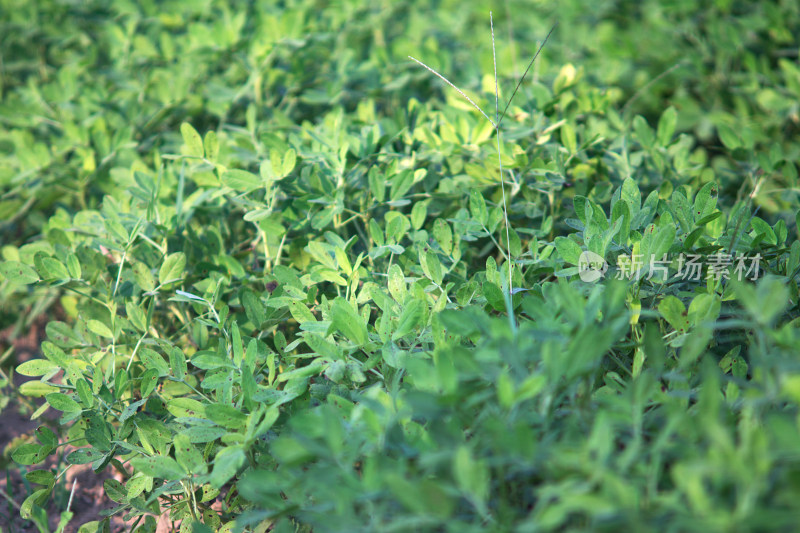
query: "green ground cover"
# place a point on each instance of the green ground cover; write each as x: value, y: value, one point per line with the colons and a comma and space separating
x: 273, y: 253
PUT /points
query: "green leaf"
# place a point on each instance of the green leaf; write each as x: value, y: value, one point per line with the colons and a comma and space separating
x: 704, y: 308
x: 95, y: 526
x: 29, y: 454
x: 136, y: 485
x: 531, y: 387
x: 36, y: 367
x: 568, y: 250
x: 83, y: 456
x: 301, y: 373
x: 46, y: 436
x: 760, y: 226
x: 98, y: 328
x: 443, y: 235
x: 50, y: 350
x: 377, y: 184
x: 149, y: 381
x: 226, y: 464
x: 666, y: 126
x: 401, y: 183
x: 477, y: 207
x: 471, y: 475
x: 186, y: 407
x: 84, y: 393
x: 797, y: 220
x: 226, y: 416
x: 253, y: 308
x: 36, y: 389
x: 276, y: 164
x: 674, y: 312
x: 300, y: 312
x: 322, y: 253
x: 505, y: 390
x: 211, y: 145
x: 343, y: 261
x: 115, y: 490
x: 154, y: 360
x: 568, y: 138
x: 418, y: 213
x: 695, y: 344
x: 27, y: 509
x: 710, y: 218
x: 514, y: 245
x: 289, y: 161
x: 728, y: 136
x: 41, y: 477
x: 217, y: 380
x: 54, y: 269
x: 98, y: 434
x: 656, y: 242
x: 270, y: 417
x: 630, y: 194
x: 397, y: 226
x: 251, y: 354
x: 192, y: 139
x: 143, y: 276
x: 158, y: 466
x: 281, y: 167
x: 582, y: 206
x: 431, y: 266
x: 643, y: 131
x: 427, y: 498
x: 62, y: 335
x: 241, y: 180
x: 189, y: 457
x: 177, y: 362
x: 705, y: 201
x: 118, y: 232
x: 765, y: 301
x: 172, y: 269
x: 200, y: 434
x: 566, y: 77
x: 622, y: 211
x: 376, y: 232
x: 136, y: 315
x: 494, y: 295
x: 17, y: 272
x: 348, y: 322
x: 62, y: 402
x: 397, y: 283
x: 410, y: 318
x: 236, y: 344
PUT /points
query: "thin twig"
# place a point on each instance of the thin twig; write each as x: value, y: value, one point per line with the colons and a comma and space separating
x: 476, y: 106
x: 526, y: 73
x: 5, y: 495
x: 71, y: 494
x: 649, y: 84
x: 499, y: 154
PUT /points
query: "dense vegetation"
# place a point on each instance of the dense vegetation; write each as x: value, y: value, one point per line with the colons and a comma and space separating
x: 273, y: 255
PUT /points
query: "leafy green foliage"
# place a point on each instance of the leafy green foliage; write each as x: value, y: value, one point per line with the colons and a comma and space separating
x: 274, y: 256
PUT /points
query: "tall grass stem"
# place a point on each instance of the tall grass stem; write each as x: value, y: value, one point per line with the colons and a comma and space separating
x: 498, y: 119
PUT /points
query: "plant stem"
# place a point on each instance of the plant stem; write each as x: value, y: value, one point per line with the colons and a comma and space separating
x: 499, y: 154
